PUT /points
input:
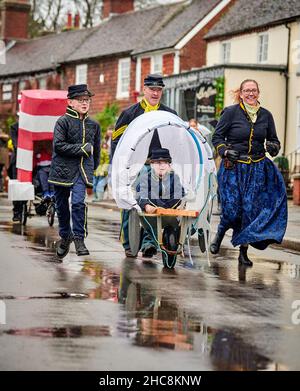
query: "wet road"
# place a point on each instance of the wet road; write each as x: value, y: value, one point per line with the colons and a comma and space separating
x: 103, y: 312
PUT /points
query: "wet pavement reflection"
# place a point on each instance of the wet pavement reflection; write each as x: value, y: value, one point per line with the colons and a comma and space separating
x: 220, y: 317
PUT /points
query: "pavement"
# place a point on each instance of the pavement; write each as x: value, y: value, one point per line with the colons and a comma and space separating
x: 291, y: 239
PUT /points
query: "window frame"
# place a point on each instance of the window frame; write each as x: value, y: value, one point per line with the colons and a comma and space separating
x: 154, y: 62
x: 81, y: 68
x: 225, y: 52
x: 7, y: 91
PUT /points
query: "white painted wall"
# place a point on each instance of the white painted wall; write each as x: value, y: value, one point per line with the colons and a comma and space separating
x: 271, y: 84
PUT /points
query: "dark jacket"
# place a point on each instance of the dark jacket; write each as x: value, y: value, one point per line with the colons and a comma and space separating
x: 235, y: 129
x: 127, y: 116
x: 73, y: 138
x: 165, y: 192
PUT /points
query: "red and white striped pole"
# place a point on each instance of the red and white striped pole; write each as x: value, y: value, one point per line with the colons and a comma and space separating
x: 39, y: 111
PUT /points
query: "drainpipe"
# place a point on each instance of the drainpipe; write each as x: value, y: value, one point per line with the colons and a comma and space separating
x: 286, y: 75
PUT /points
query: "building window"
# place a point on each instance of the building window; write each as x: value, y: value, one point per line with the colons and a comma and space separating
x: 225, y: 52
x: 81, y: 74
x: 123, y: 78
x: 263, y: 41
x: 7, y: 91
x: 157, y: 64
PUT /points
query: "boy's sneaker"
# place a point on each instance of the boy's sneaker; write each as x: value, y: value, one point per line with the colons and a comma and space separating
x: 63, y: 246
x: 80, y: 247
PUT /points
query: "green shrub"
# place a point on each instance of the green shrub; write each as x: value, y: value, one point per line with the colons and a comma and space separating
x: 282, y: 163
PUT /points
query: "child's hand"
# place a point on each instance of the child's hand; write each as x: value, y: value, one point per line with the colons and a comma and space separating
x: 150, y: 209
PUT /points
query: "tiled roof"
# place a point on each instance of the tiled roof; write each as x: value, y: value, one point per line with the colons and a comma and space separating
x: 41, y: 54
x: 173, y: 26
x: 245, y: 15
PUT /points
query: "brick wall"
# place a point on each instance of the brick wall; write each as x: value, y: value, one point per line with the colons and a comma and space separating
x: 104, y: 92
x: 168, y: 64
x: 10, y: 108
x: 146, y: 68
x: 116, y: 7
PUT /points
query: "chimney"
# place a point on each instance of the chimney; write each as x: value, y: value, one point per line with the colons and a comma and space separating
x: 15, y: 19
x: 116, y: 7
x: 77, y: 21
x: 69, y: 20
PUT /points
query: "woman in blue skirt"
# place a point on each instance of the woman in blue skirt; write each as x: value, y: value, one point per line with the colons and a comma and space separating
x: 252, y: 190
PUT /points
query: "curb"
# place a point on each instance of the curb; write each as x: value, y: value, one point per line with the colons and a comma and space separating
x: 287, y: 243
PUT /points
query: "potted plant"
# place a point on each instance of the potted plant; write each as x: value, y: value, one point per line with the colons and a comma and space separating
x: 283, y: 166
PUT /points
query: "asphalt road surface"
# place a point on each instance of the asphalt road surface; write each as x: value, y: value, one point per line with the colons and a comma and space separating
x: 104, y: 312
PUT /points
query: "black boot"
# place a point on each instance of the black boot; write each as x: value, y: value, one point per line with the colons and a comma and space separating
x: 63, y: 246
x: 216, y: 243
x: 80, y: 247
x: 243, y: 257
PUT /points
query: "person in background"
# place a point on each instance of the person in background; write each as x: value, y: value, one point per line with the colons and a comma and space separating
x: 100, y: 174
x: 203, y: 130
x: 43, y: 163
x: 4, y: 158
x: 252, y: 190
x: 108, y: 137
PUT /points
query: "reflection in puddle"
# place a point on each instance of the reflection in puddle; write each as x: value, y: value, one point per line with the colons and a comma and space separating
x: 107, y: 281
x: 62, y: 332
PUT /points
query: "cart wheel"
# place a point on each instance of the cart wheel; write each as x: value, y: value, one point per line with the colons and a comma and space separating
x: 134, y: 232
x: 169, y: 261
x: 201, y: 240
x: 24, y: 213
x: 51, y: 214
x: 170, y: 241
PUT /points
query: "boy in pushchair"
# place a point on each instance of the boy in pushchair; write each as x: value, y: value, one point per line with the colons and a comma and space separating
x: 158, y: 187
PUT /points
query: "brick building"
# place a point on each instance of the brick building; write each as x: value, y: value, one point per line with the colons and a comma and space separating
x: 113, y: 57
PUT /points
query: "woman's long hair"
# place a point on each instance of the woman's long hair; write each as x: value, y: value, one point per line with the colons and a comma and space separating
x: 236, y: 93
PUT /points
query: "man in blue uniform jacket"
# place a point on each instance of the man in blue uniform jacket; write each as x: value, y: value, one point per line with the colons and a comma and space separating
x: 153, y: 88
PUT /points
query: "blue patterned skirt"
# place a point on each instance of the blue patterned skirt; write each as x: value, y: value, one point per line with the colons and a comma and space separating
x: 254, y: 203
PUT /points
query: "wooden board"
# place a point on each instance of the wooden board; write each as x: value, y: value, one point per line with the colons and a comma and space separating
x: 174, y: 212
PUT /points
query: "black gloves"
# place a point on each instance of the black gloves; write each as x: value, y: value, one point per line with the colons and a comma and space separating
x: 231, y: 155
x: 272, y: 148
x: 88, y: 149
